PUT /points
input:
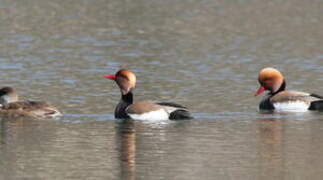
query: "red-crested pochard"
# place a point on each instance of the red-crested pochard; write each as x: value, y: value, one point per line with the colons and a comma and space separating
x: 279, y: 99
x: 10, y: 106
x: 143, y: 110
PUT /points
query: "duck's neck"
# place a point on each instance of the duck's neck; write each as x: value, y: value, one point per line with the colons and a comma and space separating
x: 282, y: 88
x: 125, y: 101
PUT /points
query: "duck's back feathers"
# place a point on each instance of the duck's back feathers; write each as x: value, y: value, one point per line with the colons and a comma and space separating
x: 316, y: 96
x: 286, y: 96
x: 142, y: 107
x: 171, y: 104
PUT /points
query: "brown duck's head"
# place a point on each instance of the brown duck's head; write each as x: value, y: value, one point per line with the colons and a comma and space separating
x: 269, y: 79
x: 125, y: 79
x: 8, y: 95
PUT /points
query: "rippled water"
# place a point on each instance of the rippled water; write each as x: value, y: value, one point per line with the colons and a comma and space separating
x: 203, y: 54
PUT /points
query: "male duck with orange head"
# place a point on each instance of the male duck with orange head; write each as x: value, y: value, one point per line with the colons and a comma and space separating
x: 279, y: 99
x: 143, y: 110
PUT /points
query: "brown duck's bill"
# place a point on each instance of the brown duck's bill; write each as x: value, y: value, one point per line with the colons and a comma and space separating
x: 110, y: 76
x: 260, y: 90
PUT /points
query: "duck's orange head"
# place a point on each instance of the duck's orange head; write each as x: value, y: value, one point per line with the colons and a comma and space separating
x: 269, y: 79
x: 125, y: 79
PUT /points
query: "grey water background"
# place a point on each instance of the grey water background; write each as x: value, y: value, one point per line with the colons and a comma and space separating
x: 203, y: 54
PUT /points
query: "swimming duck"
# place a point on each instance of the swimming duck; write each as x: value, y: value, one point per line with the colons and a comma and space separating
x: 280, y: 99
x: 11, y: 106
x: 143, y: 110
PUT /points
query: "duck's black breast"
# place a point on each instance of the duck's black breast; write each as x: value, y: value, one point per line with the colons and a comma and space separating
x: 125, y: 101
x: 266, y: 104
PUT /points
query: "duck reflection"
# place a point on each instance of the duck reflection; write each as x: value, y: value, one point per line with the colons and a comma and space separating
x: 126, y: 137
x: 271, y: 147
x: 10, y: 128
x: 19, y: 141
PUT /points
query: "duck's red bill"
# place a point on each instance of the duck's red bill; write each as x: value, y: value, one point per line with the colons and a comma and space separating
x: 111, y: 76
x: 260, y: 90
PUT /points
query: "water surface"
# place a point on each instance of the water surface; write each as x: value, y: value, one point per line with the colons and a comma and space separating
x: 202, y: 54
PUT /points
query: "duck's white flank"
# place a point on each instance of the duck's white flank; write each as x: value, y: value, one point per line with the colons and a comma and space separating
x: 157, y: 115
x: 291, y: 106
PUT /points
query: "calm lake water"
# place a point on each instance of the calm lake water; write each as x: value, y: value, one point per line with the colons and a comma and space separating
x: 203, y: 54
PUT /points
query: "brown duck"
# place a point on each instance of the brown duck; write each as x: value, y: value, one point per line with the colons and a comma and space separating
x: 11, y: 106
